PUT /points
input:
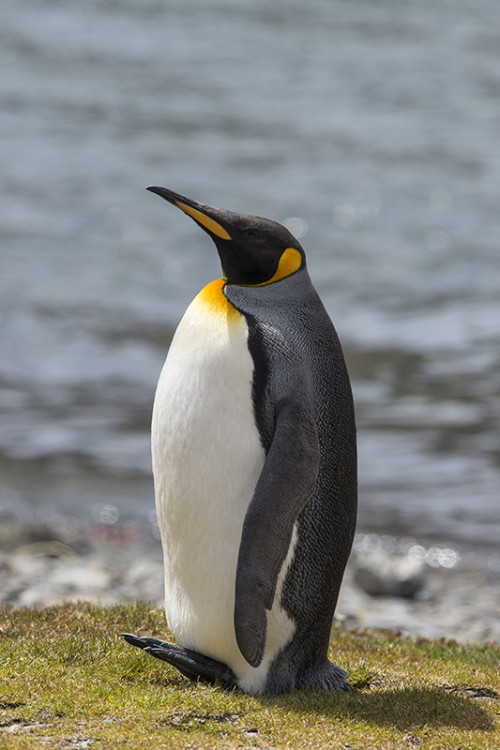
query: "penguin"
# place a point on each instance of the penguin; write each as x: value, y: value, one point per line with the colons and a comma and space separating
x: 254, y: 464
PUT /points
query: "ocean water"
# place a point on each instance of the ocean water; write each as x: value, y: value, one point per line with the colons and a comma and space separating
x: 370, y: 129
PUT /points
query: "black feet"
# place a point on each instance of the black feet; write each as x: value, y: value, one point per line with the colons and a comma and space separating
x: 191, y: 664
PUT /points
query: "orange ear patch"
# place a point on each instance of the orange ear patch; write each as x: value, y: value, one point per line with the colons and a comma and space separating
x: 290, y: 261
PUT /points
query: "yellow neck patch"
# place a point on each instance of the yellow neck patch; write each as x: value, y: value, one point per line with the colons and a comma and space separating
x: 213, y: 297
x: 290, y: 261
x: 210, y: 224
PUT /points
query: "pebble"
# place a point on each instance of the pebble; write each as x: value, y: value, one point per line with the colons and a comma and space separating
x: 380, y: 574
x: 381, y: 588
x: 462, y: 605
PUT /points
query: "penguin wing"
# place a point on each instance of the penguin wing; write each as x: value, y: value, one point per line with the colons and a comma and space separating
x: 287, y: 482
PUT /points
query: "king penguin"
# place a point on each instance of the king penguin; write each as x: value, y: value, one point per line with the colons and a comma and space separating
x: 254, y: 464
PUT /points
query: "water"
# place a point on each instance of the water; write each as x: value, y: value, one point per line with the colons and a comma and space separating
x: 370, y: 128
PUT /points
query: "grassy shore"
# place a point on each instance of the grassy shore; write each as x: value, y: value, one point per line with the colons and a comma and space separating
x: 69, y: 681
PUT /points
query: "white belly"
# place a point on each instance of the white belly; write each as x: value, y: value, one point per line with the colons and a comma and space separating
x: 207, y: 458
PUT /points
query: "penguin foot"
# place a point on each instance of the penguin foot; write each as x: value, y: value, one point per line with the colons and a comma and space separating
x: 189, y: 663
x: 326, y: 676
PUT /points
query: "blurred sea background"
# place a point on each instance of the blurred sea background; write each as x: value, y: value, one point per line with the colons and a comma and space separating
x: 371, y: 129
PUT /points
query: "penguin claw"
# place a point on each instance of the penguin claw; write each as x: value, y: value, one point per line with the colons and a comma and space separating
x: 146, y: 642
x: 192, y: 665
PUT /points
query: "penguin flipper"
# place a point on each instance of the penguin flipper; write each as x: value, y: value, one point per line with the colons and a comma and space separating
x: 191, y: 664
x: 286, y: 483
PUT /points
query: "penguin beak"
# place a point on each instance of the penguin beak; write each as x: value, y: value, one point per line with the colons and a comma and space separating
x: 202, y: 215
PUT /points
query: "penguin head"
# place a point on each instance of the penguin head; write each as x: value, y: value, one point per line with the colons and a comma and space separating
x: 253, y: 251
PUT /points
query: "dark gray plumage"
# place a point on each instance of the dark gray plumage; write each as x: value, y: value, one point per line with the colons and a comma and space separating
x: 304, y: 410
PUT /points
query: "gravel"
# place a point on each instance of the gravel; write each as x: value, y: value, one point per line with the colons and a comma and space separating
x: 433, y: 592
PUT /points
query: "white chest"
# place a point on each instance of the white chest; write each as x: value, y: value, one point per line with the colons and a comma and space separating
x: 207, y: 458
x: 204, y: 437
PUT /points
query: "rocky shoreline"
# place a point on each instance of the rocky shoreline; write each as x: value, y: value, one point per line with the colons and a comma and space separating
x: 432, y: 592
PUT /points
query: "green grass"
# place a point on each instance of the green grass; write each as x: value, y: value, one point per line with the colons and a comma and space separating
x: 69, y: 681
